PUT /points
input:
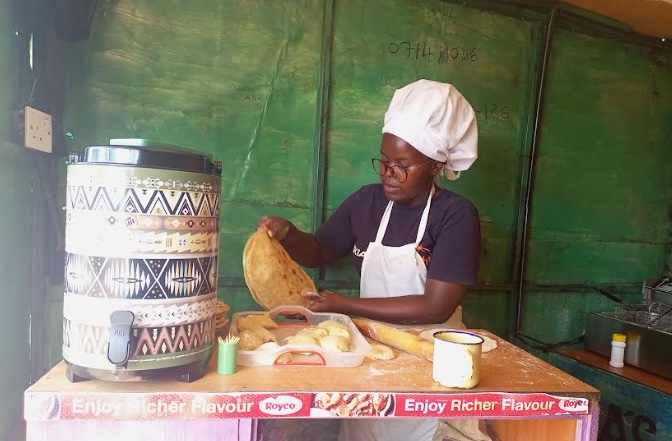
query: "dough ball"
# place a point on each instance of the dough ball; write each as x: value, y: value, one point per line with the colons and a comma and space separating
x: 340, y: 332
x: 256, y: 321
x: 316, y: 333
x: 331, y: 324
x: 302, y: 339
x: 264, y: 334
x: 380, y: 352
x: 335, y: 343
x: 249, y: 341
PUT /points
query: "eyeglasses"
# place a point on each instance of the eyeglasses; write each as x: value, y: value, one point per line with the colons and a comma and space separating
x: 399, y: 173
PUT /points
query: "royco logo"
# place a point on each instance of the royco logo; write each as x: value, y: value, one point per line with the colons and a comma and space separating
x: 280, y: 405
x: 574, y: 404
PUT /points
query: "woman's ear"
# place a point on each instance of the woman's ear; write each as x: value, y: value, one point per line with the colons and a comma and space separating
x: 436, y: 168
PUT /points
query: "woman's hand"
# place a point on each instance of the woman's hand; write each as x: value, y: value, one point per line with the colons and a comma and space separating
x: 326, y: 301
x: 278, y: 227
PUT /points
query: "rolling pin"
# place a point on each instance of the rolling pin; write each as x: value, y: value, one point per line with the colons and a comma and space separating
x: 402, y: 340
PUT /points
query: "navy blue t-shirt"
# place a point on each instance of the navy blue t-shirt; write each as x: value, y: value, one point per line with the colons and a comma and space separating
x: 450, y: 246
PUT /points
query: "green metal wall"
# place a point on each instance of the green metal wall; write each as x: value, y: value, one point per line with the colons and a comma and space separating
x: 244, y: 80
x: 15, y: 245
x: 601, y: 205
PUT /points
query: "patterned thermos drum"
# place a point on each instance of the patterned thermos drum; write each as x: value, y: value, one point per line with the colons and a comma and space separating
x: 142, y: 242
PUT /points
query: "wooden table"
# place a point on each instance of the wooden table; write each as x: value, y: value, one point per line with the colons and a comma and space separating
x: 527, y: 398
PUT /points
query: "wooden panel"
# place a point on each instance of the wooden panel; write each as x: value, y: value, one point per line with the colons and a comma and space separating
x: 523, y: 430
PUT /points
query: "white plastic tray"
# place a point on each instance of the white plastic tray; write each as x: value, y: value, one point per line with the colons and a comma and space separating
x: 303, y: 355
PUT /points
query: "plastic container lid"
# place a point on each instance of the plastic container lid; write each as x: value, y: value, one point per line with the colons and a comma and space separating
x: 619, y: 338
x: 144, y: 153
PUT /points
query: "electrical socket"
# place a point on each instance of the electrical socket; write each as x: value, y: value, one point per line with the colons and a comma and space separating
x: 37, y: 130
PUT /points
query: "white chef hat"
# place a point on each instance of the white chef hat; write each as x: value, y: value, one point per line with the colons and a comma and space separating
x: 438, y: 121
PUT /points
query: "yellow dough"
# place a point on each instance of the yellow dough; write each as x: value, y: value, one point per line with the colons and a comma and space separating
x: 253, y: 321
x: 249, y: 341
x: 259, y: 325
x: 335, y: 343
x: 316, y: 333
x: 332, y: 324
x: 340, y: 332
x: 264, y: 334
x: 302, y: 339
x: 380, y: 352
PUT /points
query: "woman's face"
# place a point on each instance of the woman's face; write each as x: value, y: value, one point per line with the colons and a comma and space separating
x: 420, y: 171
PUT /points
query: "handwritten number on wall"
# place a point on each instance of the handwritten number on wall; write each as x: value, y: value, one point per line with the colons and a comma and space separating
x: 493, y: 111
x: 424, y: 52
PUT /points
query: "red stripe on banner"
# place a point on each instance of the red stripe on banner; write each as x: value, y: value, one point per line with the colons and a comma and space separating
x: 477, y: 405
x: 129, y: 406
x: 187, y: 406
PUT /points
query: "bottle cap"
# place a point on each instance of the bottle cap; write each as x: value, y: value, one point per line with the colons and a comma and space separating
x: 619, y: 337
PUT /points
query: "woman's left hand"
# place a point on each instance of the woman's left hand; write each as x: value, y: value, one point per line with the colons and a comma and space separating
x: 326, y: 301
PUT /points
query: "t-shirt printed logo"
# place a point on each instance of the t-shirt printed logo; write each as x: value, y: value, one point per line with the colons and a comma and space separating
x: 357, y: 252
x: 425, y: 254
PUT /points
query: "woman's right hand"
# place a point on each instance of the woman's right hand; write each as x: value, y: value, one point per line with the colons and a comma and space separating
x: 278, y: 227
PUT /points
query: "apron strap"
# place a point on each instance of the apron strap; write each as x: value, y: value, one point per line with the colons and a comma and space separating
x: 383, y: 223
x: 425, y: 216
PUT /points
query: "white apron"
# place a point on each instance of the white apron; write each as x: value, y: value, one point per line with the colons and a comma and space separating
x: 394, y: 272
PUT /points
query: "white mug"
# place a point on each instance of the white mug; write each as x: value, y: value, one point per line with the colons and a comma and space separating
x: 457, y: 358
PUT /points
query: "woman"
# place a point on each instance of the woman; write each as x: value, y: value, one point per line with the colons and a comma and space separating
x: 414, y: 244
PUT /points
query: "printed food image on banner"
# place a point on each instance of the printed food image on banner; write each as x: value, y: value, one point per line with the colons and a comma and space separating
x: 46, y: 407
x: 343, y: 404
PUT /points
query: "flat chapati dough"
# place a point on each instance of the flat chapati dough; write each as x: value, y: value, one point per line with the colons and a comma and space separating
x: 488, y: 345
x: 272, y: 277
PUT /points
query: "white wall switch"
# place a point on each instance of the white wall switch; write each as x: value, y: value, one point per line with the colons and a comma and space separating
x: 37, y: 128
